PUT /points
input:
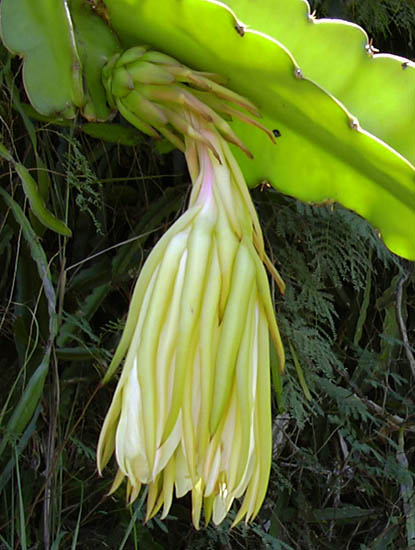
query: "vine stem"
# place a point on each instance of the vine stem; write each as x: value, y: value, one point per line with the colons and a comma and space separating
x: 402, y: 325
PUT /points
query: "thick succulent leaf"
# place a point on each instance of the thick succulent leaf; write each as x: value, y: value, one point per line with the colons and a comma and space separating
x: 323, y: 153
x: 42, y: 33
x: 64, y: 45
x: 379, y: 89
x: 96, y: 44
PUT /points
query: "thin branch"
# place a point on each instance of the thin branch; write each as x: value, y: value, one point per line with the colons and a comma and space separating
x: 402, y: 325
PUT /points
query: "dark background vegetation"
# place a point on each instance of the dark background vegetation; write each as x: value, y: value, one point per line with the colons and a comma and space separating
x: 344, y: 431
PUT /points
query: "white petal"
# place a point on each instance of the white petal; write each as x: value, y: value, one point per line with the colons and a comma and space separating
x: 129, y: 439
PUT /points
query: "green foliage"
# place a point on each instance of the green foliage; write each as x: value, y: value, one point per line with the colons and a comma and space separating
x: 343, y: 473
x: 80, y: 176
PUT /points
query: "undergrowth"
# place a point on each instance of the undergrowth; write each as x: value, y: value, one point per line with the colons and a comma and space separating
x: 344, y: 427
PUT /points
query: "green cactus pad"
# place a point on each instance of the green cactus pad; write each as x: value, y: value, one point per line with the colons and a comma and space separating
x: 64, y: 47
x: 42, y: 33
x: 343, y: 116
x: 379, y: 89
x: 324, y: 153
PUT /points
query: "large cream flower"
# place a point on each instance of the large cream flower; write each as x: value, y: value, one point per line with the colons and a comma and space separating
x: 192, y: 409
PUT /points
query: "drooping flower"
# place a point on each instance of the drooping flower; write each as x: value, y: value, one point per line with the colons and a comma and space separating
x: 192, y: 408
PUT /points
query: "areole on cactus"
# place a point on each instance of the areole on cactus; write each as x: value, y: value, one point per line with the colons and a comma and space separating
x: 192, y: 406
